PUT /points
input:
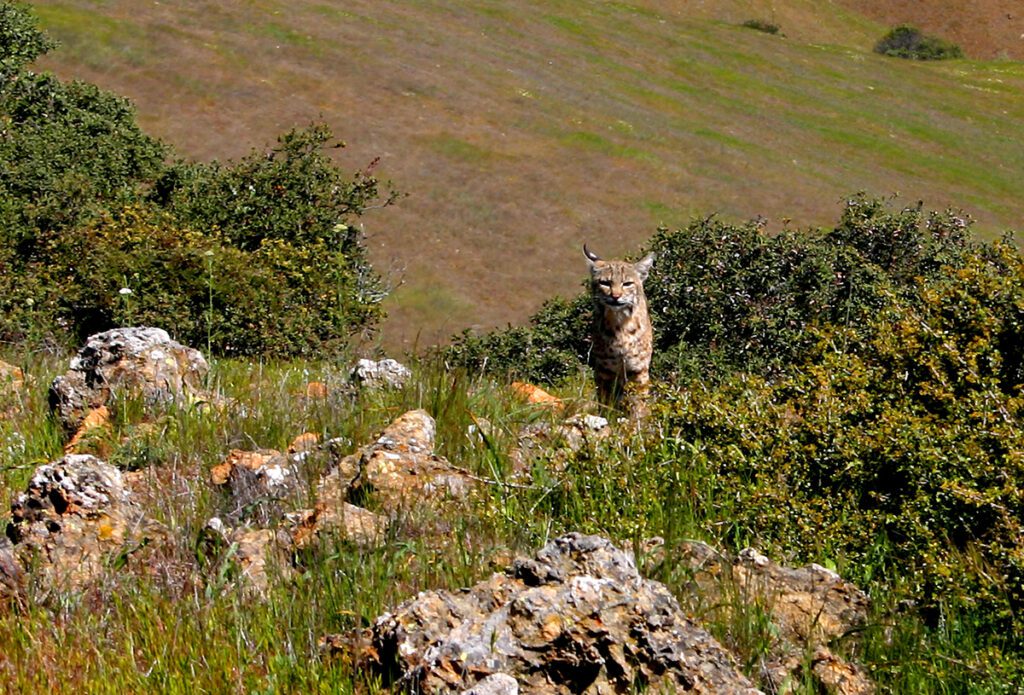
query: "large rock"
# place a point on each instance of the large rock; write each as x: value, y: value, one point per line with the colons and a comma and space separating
x: 75, y: 514
x: 398, y: 470
x: 386, y: 373
x: 140, y: 362
x: 576, y: 618
x: 809, y: 606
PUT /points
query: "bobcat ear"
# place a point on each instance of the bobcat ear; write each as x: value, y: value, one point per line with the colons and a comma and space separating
x: 592, y: 257
x: 643, y: 266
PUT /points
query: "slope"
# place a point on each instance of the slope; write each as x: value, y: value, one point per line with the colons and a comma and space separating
x: 521, y: 129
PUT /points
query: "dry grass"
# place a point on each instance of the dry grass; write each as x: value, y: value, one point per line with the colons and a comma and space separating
x: 521, y: 129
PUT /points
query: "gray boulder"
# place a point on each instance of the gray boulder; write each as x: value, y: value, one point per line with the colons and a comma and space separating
x: 141, y: 362
x: 575, y: 618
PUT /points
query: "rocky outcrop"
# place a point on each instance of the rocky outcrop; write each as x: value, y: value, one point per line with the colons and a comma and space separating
x: 809, y: 606
x: 396, y: 473
x: 140, y: 362
x: 12, y: 578
x: 75, y: 514
x: 554, y: 443
x: 577, y: 617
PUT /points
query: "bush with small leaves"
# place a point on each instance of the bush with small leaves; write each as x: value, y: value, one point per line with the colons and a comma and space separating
x: 762, y: 26
x: 909, y: 42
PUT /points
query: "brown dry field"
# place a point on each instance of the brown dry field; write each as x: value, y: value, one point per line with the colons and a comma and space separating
x: 520, y: 130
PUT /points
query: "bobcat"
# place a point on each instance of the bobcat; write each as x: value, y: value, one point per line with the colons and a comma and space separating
x: 622, y: 336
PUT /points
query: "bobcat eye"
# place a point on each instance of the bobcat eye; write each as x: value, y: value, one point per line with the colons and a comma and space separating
x: 605, y: 283
x: 628, y: 283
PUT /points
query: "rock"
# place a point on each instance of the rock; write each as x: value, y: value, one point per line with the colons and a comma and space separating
x: 258, y: 553
x: 575, y: 618
x: 95, y: 422
x: 383, y: 373
x: 75, y: 514
x: 347, y: 522
x: 809, y: 606
x: 142, y: 362
x: 535, y: 395
x: 399, y: 470
x: 552, y: 443
x: 307, y: 441
x: 317, y: 391
x: 12, y: 579
x: 495, y: 684
x: 259, y: 481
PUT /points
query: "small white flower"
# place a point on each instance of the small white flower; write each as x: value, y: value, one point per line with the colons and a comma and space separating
x: 125, y: 291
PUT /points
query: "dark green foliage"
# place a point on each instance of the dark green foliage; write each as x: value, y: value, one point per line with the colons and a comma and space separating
x: 67, y: 150
x: 553, y: 347
x: 909, y: 42
x: 252, y: 257
x: 893, y: 448
x: 22, y: 41
x: 730, y: 297
x: 762, y: 25
x: 293, y: 194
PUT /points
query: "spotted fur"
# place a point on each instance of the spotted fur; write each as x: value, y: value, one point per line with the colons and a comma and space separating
x: 622, y: 337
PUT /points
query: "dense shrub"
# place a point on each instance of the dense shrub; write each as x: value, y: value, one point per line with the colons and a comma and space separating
x: 141, y: 267
x: 896, y: 449
x: 294, y: 193
x: 254, y: 257
x: 762, y: 26
x: 905, y: 41
x: 731, y: 297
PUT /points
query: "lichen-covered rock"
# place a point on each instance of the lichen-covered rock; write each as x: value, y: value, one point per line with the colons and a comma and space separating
x: 553, y: 443
x: 345, y: 522
x: 495, y: 684
x: 809, y: 607
x: 382, y: 373
x: 142, y: 362
x: 75, y: 513
x: 576, y: 618
x: 260, y: 482
x: 399, y: 469
x: 258, y: 554
x: 12, y: 579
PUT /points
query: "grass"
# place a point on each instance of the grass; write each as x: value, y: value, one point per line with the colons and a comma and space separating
x: 437, y: 91
x: 188, y: 627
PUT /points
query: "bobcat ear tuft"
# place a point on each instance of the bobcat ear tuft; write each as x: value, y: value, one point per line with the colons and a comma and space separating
x: 592, y: 258
x: 643, y: 266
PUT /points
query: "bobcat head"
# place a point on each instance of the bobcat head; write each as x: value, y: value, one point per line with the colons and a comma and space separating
x: 618, y: 285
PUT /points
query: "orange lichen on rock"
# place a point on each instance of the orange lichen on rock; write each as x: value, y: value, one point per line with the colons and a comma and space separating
x: 535, y: 395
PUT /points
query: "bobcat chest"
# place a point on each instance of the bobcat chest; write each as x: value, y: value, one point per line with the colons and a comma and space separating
x: 622, y: 343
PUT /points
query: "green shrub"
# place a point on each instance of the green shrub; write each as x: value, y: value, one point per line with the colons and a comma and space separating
x: 762, y: 26
x: 894, y: 447
x: 23, y: 41
x: 727, y: 298
x: 140, y: 267
x: 909, y: 42
x: 253, y: 257
x: 292, y: 193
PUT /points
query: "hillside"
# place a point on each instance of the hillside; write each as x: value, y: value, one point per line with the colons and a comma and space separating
x: 519, y: 130
x: 985, y: 29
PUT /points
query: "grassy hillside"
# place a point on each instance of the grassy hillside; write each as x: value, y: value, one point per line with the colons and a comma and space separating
x: 521, y: 129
